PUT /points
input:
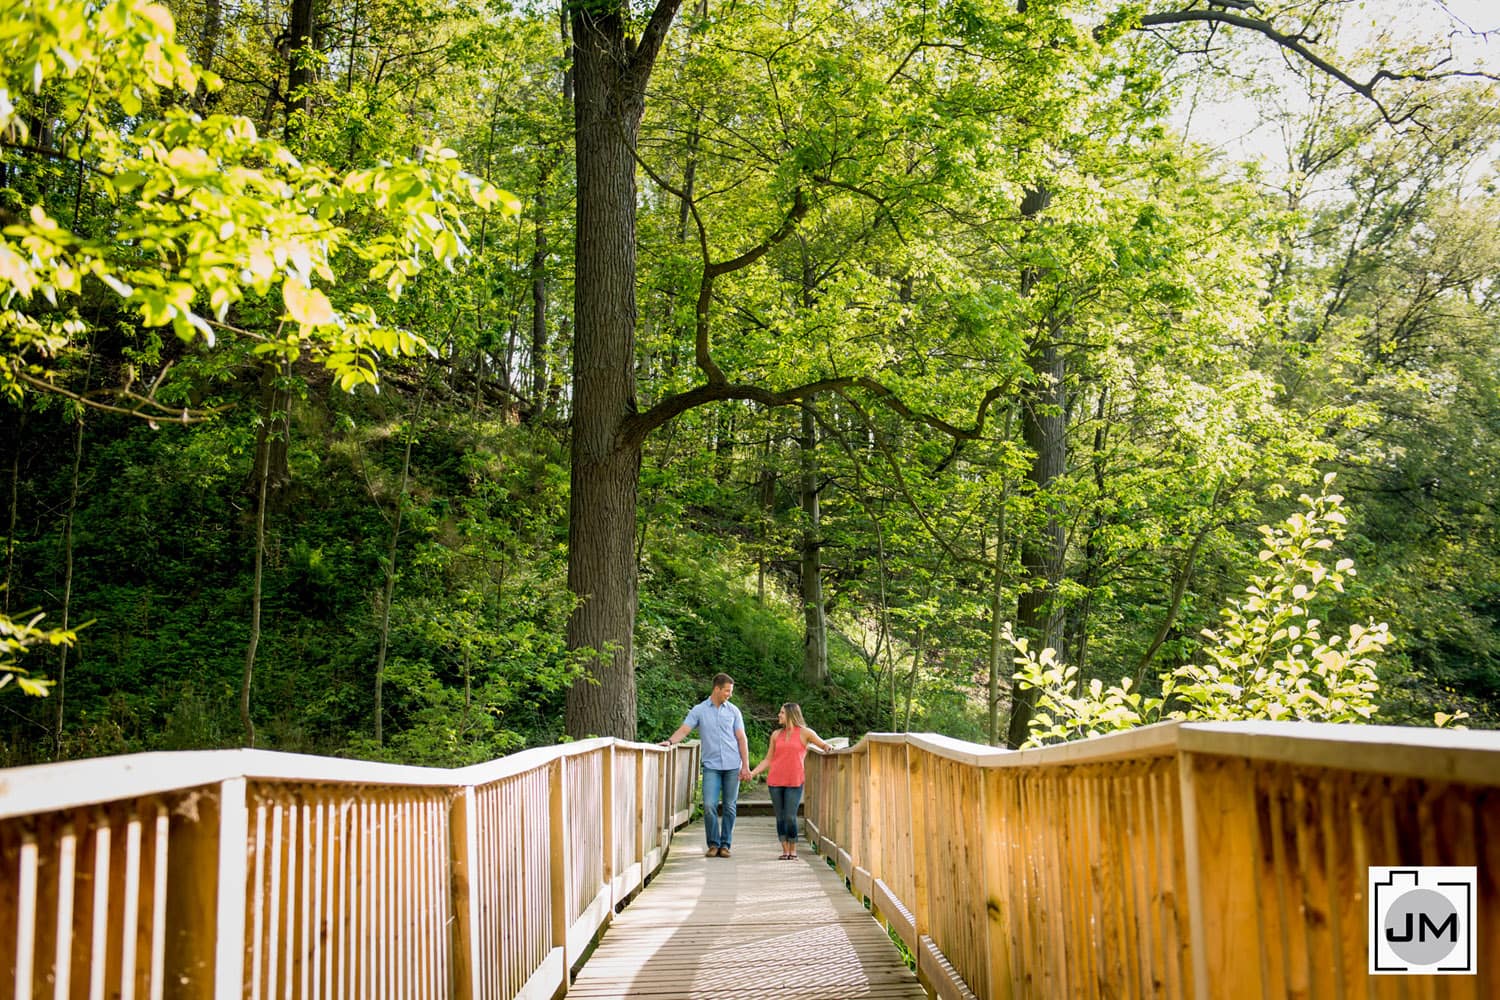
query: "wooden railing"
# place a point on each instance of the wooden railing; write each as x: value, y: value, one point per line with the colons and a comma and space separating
x: 1180, y: 860
x: 246, y: 874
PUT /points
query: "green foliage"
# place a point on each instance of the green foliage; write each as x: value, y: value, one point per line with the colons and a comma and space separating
x: 17, y: 637
x: 206, y: 211
x: 1266, y: 660
x: 169, y: 234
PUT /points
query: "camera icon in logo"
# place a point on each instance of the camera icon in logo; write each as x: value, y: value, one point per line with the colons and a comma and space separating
x: 1422, y: 921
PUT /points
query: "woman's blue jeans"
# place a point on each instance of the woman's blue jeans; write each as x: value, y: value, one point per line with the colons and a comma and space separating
x: 785, y: 799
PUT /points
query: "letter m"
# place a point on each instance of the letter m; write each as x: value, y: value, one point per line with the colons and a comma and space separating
x: 1450, y: 925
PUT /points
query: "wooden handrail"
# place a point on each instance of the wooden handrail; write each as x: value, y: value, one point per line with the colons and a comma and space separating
x: 243, y: 873
x: 1197, y: 860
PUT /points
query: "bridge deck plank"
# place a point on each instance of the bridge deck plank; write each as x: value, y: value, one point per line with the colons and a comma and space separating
x: 743, y: 927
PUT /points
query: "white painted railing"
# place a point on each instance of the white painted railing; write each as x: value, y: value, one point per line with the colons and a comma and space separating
x: 1181, y: 860
x: 241, y: 873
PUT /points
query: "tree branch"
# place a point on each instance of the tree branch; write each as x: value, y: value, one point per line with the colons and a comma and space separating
x: 644, y: 57
x: 146, y: 407
x: 711, y: 270
x: 1298, y: 44
x: 636, y: 429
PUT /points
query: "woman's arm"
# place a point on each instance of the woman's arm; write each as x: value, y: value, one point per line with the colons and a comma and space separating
x: 765, y: 761
x: 810, y: 738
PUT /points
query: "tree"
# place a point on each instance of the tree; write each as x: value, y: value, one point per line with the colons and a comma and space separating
x: 1267, y: 659
x: 210, y: 215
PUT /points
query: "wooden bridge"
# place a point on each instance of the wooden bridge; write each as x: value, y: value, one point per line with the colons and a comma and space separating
x: 1182, y: 860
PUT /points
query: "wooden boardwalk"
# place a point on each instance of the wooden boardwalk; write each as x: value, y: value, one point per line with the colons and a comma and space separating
x: 750, y: 926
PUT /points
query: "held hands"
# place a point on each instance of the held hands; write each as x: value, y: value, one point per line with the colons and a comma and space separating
x: 745, y: 774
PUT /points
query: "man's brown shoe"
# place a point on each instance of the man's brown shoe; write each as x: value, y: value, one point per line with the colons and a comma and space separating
x: 712, y: 852
x: 723, y: 852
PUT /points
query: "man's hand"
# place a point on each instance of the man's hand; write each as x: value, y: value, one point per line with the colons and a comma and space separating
x: 664, y: 743
x: 744, y: 773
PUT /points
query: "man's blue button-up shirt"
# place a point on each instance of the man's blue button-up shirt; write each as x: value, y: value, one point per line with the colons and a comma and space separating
x: 717, y: 726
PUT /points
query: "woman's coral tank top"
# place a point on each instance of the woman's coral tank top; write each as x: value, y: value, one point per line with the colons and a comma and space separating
x: 787, y: 753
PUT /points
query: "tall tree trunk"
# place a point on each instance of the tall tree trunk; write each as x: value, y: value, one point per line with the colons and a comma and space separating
x: 1043, y: 425
x: 59, y: 693
x: 911, y: 678
x: 301, y: 74
x: 390, y: 582
x: 15, y: 507
x: 814, y: 615
x: 208, y: 46
x: 1090, y: 577
x: 610, y: 77
x: 999, y: 662
x: 270, y: 453
x: 1044, y: 429
x: 563, y: 28
x: 272, y: 444
x: 724, y: 431
x: 766, y: 503
x: 694, y: 137
x: 1180, y: 581
x: 262, y: 480
x: 539, y: 309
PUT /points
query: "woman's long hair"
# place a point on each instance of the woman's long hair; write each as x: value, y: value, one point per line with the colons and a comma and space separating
x: 793, y: 715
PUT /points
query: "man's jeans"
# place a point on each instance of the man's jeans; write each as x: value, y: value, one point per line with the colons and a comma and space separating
x: 716, y: 785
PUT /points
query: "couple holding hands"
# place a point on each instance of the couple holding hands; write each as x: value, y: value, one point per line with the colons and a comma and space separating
x: 726, y: 762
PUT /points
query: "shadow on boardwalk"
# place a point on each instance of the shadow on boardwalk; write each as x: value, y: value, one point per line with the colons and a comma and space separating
x: 750, y: 926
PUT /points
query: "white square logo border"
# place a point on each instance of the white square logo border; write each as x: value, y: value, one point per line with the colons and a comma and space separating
x: 1422, y: 920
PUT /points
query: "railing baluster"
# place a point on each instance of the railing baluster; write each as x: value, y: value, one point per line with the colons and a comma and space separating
x: 367, y: 941
x: 305, y: 930
x: 418, y: 981
x: 258, y: 920
x: 26, y: 891
x: 391, y: 936
x: 67, y: 861
x: 320, y: 864
x: 132, y: 905
x: 99, y: 946
x: 273, y: 908
x: 159, y: 903
x: 341, y: 922
x: 229, y: 957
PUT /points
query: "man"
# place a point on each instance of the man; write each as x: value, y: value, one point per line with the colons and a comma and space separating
x: 726, y: 761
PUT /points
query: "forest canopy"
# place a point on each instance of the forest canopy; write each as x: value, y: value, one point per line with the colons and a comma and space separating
x: 422, y: 380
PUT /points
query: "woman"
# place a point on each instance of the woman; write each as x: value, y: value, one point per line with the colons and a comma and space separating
x: 784, y: 762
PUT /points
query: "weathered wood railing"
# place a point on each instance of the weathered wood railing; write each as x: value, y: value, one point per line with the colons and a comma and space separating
x: 1180, y: 860
x: 245, y: 874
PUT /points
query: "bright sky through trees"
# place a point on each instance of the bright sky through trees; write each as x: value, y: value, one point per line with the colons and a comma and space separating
x: 1226, y: 114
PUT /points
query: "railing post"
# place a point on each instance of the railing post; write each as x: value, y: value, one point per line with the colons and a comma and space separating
x: 996, y: 898
x: 668, y: 795
x: 607, y: 778
x: 859, y: 832
x: 917, y: 780
x: 1193, y: 864
x: 464, y: 862
x: 643, y: 815
x: 557, y: 804
x: 229, y: 928
x: 874, y: 859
